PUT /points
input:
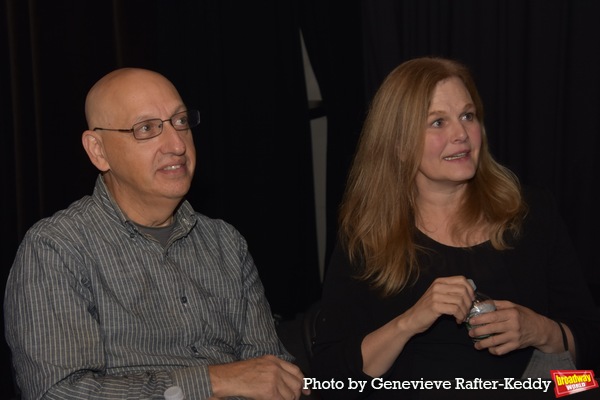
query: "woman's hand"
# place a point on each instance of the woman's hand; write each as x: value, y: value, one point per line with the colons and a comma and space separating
x: 515, y: 327
x: 450, y: 295
x: 446, y: 296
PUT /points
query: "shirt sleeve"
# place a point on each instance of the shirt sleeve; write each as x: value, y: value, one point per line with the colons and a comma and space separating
x: 258, y: 336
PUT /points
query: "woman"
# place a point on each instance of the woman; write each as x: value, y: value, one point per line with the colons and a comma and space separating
x: 426, y: 208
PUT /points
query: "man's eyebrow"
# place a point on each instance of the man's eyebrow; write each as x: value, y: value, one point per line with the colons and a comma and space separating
x: 146, y: 117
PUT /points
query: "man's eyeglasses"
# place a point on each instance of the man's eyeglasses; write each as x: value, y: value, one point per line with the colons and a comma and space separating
x: 153, y: 127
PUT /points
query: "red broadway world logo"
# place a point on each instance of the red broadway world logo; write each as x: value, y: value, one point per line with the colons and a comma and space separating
x: 569, y: 381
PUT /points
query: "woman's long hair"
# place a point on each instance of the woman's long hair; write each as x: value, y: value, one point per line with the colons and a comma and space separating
x: 377, y: 214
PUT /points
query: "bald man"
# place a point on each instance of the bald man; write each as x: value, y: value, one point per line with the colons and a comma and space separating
x: 129, y: 291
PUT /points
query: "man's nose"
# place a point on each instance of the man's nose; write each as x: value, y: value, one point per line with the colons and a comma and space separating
x: 174, y: 139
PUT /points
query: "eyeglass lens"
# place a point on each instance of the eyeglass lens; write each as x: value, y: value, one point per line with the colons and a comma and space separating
x: 153, y: 127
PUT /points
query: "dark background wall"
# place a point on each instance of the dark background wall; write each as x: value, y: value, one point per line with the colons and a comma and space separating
x: 239, y: 62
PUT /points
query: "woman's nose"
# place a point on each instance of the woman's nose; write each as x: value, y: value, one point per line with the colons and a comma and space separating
x: 459, y: 133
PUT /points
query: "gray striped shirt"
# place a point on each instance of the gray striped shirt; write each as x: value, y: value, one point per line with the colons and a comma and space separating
x: 95, y: 309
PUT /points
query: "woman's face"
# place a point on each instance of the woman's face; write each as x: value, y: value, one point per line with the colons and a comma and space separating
x: 452, y: 139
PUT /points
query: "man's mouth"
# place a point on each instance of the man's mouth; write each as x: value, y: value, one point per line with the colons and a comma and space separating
x: 172, y: 167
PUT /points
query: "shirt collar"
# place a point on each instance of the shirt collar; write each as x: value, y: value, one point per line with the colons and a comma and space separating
x: 184, y: 219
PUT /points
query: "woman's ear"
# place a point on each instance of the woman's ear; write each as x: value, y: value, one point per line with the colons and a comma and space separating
x: 94, y: 147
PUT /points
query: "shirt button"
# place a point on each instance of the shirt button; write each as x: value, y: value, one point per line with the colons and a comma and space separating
x: 184, y: 300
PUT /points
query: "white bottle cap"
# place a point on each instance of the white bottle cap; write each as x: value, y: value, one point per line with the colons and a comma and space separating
x: 174, y: 393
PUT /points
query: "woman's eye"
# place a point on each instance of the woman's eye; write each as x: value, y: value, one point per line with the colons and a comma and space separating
x: 437, y: 123
x: 469, y: 116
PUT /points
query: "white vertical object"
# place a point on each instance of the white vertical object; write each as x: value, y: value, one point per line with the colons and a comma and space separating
x: 318, y: 127
x: 174, y: 393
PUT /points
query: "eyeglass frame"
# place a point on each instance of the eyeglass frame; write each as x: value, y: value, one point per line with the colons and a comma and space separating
x: 162, y: 121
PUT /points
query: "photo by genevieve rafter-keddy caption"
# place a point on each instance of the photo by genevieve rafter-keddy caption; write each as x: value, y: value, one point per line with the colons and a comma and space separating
x: 580, y: 383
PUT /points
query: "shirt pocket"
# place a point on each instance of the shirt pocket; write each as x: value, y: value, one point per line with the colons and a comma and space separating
x: 225, y: 319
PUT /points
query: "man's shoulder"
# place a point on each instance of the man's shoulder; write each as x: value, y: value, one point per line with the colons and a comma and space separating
x: 214, y: 225
x: 217, y: 230
x: 81, y: 214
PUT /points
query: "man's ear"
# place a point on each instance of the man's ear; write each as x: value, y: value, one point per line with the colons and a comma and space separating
x: 94, y: 147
